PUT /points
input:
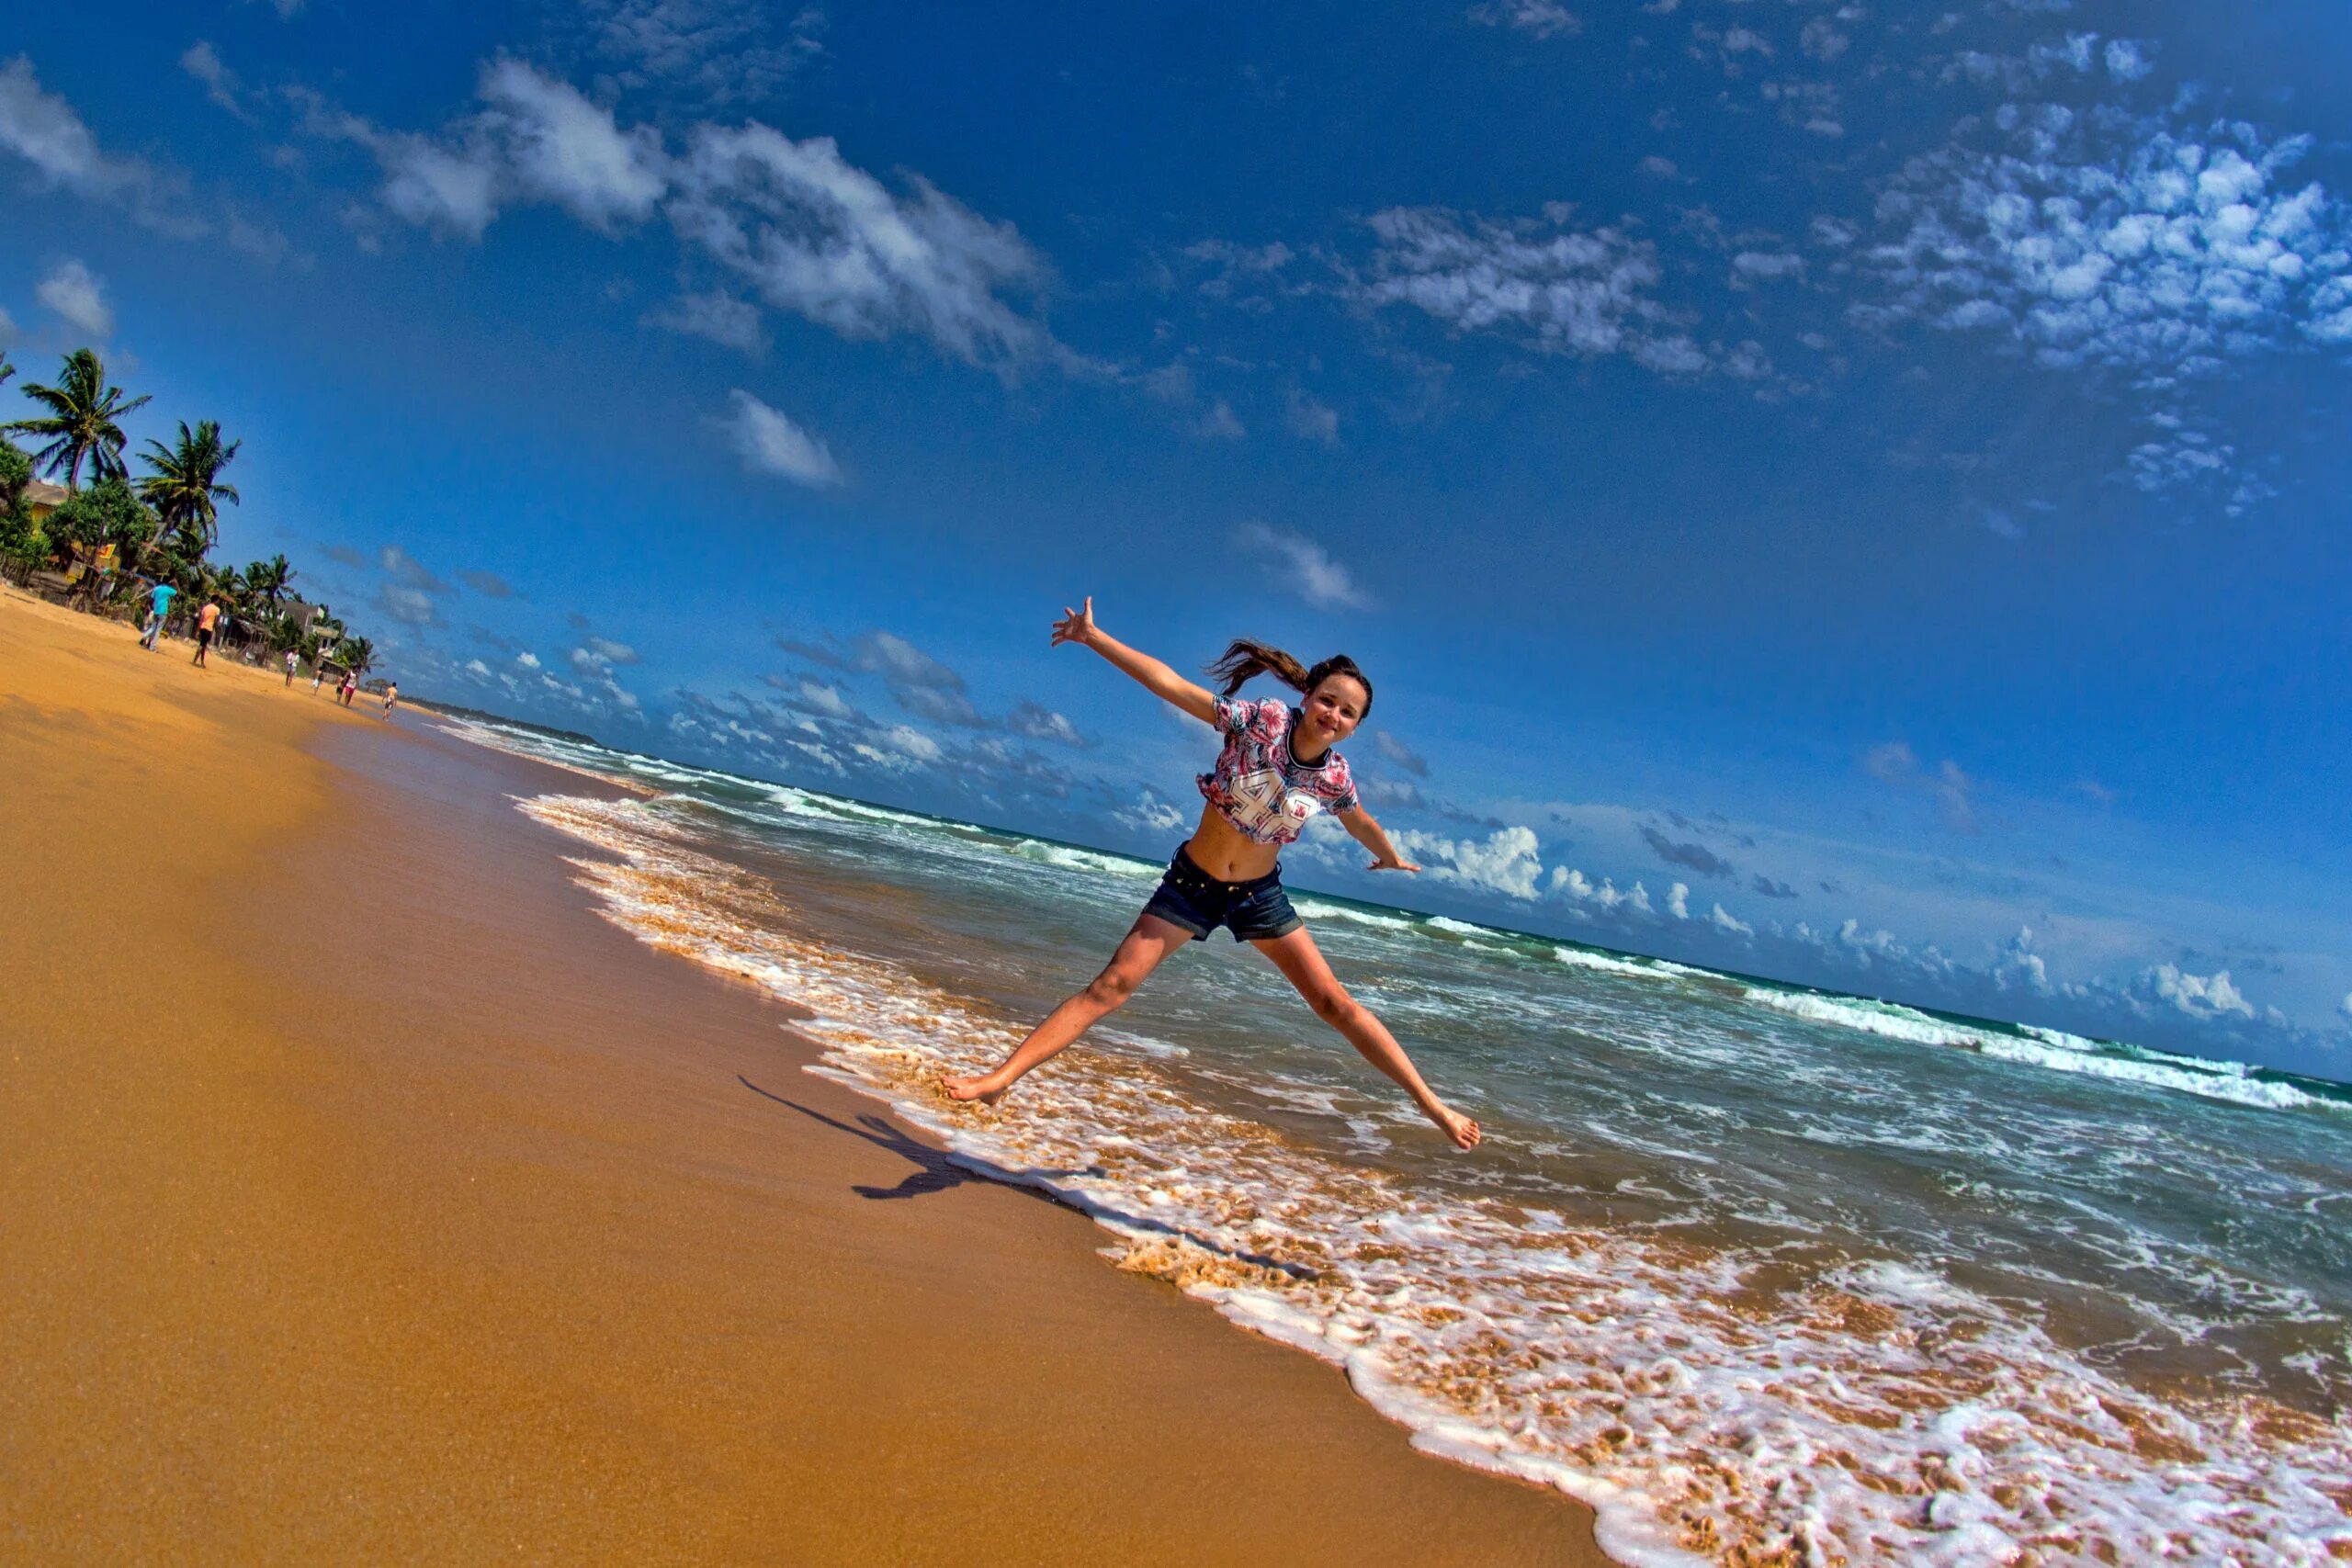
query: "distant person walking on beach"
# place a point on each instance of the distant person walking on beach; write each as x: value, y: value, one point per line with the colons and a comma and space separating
x: 163, y: 595
x: 317, y: 674
x: 391, y: 697
x: 291, y: 659
x: 206, y: 619
x: 1278, y: 767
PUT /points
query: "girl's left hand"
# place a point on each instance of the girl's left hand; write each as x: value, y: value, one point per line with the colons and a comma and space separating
x: 1392, y: 866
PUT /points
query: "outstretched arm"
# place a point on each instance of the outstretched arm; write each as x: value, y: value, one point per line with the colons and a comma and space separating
x: 1077, y: 626
x: 1367, y: 832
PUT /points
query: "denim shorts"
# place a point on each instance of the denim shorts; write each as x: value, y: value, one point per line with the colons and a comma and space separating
x: 1254, y: 910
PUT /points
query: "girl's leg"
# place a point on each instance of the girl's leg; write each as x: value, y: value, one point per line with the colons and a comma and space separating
x: 1151, y: 940
x: 1302, y: 965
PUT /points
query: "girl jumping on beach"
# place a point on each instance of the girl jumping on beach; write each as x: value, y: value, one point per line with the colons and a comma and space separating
x: 1278, y: 767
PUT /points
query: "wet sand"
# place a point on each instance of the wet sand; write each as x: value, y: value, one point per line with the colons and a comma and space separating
x: 363, y: 1195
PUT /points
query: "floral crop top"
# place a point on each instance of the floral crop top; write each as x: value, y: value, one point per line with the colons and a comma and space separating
x: 1259, y: 786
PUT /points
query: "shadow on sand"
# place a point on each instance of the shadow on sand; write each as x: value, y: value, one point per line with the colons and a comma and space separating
x: 936, y: 1171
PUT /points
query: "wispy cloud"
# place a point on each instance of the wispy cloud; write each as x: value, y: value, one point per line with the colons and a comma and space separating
x: 42, y: 129
x: 1310, y: 418
x: 1545, y: 282
x: 1308, y: 569
x: 221, y: 85
x: 720, y: 51
x: 798, y: 225
x: 1947, y: 783
x: 1543, y: 18
x: 719, y: 317
x: 78, y: 297
x: 812, y: 234
x: 770, y: 443
x: 1397, y: 751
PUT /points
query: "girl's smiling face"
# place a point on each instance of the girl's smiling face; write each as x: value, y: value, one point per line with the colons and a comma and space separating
x: 1331, y: 712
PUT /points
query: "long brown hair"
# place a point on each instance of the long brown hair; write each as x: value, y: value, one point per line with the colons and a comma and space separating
x: 1243, y: 659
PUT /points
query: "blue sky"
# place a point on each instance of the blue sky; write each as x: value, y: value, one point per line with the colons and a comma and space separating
x: 1841, y: 491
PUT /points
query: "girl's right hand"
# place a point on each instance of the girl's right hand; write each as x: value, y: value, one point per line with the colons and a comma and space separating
x: 1076, y: 626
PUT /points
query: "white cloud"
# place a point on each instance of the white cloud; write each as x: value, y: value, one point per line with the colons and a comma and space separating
x: 1319, y: 579
x: 527, y: 659
x: 825, y: 700
x: 2345, y: 1007
x: 1724, y: 920
x: 77, y: 297
x: 1313, y: 420
x: 2199, y: 995
x: 564, y: 149
x: 609, y: 652
x: 805, y: 229
x: 769, y: 442
x: 42, y: 128
x: 1822, y: 39
x: 1543, y: 18
x: 1041, y: 723
x: 724, y: 51
x: 201, y: 61
x: 817, y: 236
x: 2127, y: 59
x: 2083, y: 240
x: 718, y: 316
x: 593, y: 661
x: 1149, y: 814
x: 2178, y: 457
x: 901, y: 663
x: 1559, y: 289
x: 1948, y: 785
x: 410, y: 606
x: 1678, y: 900
x: 1221, y: 423
x: 1751, y: 267
x: 1571, y: 883
x: 451, y: 189
x: 899, y: 747
x: 537, y: 139
x: 1506, y: 861
x: 2018, y: 965
x: 1864, y: 946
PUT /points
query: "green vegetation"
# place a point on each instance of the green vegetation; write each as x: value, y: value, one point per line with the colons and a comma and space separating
x: 83, y: 421
x: 186, y: 484
x: 162, y: 524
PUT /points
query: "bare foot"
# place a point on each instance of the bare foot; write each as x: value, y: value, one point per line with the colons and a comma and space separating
x: 1460, y: 1128
x: 973, y: 1089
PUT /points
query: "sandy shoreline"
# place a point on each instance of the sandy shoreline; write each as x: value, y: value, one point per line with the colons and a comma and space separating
x: 363, y: 1195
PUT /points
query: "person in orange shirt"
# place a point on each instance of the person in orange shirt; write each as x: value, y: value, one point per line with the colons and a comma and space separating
x: 206, y: 619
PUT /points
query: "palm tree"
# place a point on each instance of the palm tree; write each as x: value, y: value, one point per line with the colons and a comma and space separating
x: 269, y: 579
x: 355, y: 654
x: 83, y: 422
x: 186, y: 483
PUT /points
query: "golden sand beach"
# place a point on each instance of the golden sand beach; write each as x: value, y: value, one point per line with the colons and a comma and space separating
x: 363, y: 1196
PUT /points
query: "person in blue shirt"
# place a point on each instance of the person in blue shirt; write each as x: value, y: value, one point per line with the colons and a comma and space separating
x: 165, y: 593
